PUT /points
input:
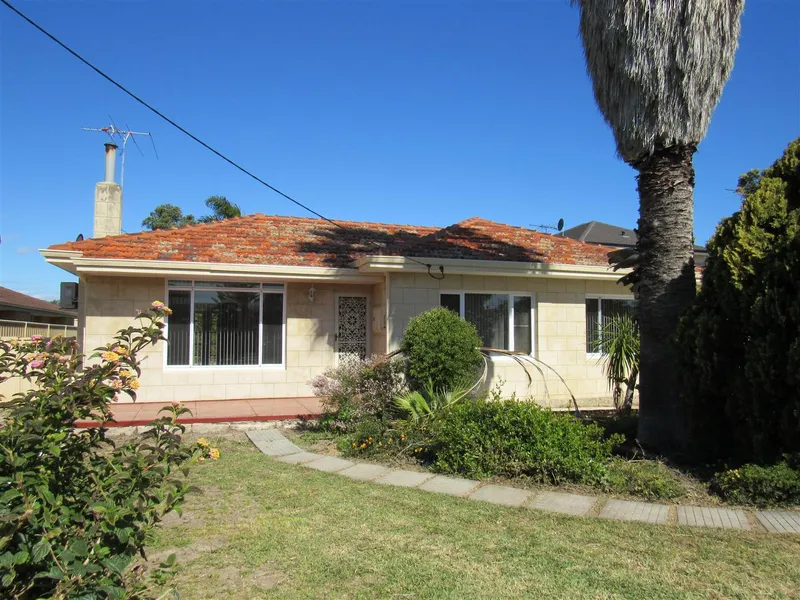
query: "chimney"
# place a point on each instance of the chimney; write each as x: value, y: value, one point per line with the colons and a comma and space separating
x: 108, y: 199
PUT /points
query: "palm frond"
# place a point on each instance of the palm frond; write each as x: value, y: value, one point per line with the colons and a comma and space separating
x: 658, y: 67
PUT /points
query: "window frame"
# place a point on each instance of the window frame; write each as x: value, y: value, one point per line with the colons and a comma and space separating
x: 599, y: 298
x: 511, y: 295
x: 197, y: 284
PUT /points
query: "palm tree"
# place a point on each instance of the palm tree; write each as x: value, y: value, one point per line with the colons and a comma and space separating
x: 619, y: 348
x: 222, y: 209
x: 658, y: 68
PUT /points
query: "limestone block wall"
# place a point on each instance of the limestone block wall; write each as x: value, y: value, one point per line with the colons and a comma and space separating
x: 110, y: 303
x: 559, y: 331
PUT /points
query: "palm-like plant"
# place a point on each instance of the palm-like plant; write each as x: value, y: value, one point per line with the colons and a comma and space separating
x: 421, y: 405
x: 221, y: 209
x: 658, y: 68
x: 619, y: 347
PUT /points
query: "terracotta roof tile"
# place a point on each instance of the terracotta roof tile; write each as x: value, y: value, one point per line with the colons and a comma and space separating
x: 295, y: 241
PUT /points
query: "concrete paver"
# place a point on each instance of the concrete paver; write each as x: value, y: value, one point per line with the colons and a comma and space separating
x: 330, y: 464
x: 299, y: 458
x: 365, y: 471
x: 568, y: 504
x: 273, y: 447
x: 704, y: 516
x: 501, y: 494
x: 625, y: 510
x: 404, y: 478
x: 779, y: 521
x: 455, y: 486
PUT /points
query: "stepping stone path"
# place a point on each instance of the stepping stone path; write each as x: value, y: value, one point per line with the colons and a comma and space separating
x: 501, y: 494
x: 568, y: 504
x: 272, y: 443
x: 455, y: 486
x: 703, y: 516
x: 404, y: 478
x: 625, y: 510
x: 779, y: 521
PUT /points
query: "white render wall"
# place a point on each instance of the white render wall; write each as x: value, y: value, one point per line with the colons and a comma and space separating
x: 110, y: 304
x: 559, y: 336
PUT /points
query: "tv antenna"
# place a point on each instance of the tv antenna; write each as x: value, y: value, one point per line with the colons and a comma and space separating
x: 122, y: 136
x: 548, y: 228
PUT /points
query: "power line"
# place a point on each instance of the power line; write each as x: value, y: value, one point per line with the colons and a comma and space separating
x: 166, y: 118
x: 190, y: 134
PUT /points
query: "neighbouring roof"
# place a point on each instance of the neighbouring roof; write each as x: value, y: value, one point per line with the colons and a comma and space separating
x: 19, y: 301
x: 295, y: 241
x: 596, y: 232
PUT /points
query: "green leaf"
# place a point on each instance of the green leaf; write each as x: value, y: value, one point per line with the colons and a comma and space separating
x: 41, y: 549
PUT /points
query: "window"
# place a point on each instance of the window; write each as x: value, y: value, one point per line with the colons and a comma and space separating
x: 224, y: 324
x: 600, y: 311
x: 503, y: 320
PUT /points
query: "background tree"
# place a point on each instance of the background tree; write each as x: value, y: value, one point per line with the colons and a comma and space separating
x: 740, y: 344
x: 167, y: 216
x: 658, y: 70
x: 221, y: 209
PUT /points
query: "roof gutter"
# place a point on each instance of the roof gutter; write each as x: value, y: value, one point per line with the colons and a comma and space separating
x: 380, y: 264
x: 75, y: 263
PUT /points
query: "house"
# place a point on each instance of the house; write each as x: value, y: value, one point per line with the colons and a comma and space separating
x: 595, y: 232
x: 22, y: 315
x: 262, y: 304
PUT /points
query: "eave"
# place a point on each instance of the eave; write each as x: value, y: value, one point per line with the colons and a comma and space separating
x: 391, y: 264
x: 75, y: 263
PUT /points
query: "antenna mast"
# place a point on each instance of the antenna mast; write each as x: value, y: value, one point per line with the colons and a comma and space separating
x: 123, y: 135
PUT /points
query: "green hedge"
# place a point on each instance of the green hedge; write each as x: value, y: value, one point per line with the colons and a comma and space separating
x: 442, y: 348
x: 763, y: 486
x: 482, y: 438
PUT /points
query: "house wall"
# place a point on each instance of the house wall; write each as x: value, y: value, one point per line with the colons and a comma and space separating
x: 110, y: 303
x: 559, y: 337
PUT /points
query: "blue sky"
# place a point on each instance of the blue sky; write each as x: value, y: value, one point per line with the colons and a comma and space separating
x: 424, y: 112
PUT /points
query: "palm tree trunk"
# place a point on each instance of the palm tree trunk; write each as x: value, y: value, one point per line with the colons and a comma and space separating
x: 666, y: 290
x: 630, y: 387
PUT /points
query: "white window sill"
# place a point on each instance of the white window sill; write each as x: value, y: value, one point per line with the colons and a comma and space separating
x: 224, y: 367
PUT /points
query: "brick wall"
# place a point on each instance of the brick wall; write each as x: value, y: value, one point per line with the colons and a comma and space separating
x: 560, y: 335
x: 110, y: 304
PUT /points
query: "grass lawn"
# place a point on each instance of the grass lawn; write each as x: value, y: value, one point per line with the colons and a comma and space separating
x: 262, y: 529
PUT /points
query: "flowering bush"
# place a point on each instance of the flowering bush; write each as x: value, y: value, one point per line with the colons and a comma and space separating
x: 775, y: 485
x: 76, y: 511
x: 356, y: 389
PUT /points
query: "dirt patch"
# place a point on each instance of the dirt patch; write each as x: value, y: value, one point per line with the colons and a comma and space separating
x: 264, y: 578
x: 187, y: 519
x: 187, y: 554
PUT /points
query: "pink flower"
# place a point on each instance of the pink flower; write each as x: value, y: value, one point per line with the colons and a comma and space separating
x: 63, y: 359
x: 36, y: 338
x: 37, y: 364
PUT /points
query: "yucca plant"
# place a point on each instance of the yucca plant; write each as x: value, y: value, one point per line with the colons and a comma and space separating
x: 658, y: 68
x: 619, y: 347
x: 417, y: 405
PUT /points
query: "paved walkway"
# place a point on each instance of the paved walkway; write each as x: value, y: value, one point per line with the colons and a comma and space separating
x: 127, y: 414
x: 274, y: 444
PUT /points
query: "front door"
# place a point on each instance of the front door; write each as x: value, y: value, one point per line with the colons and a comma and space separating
x: 351, y: 327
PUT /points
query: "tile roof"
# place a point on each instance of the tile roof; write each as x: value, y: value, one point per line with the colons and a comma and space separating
x: 19, y: 300
x: 295, y: 241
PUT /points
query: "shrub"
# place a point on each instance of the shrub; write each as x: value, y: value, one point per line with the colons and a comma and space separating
x: 76, y: 511
x: 442, y: 349
x: 740, y: 343
x: 763, y: 486
x: 355, y: 389
x: 649, y: 479
x: 373, y: 437
x: 481, y: 439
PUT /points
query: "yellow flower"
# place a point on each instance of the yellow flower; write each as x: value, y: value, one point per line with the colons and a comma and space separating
x: 354, y: 444
x: 213, y: 454
x: 110, y: 356
x: 363, y: 446
x: 126, y: 373
x: 134, y: 384
x: 201, y: 459
x: 202, y: 442
x: 380, y: 444
x: 121, y: 350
